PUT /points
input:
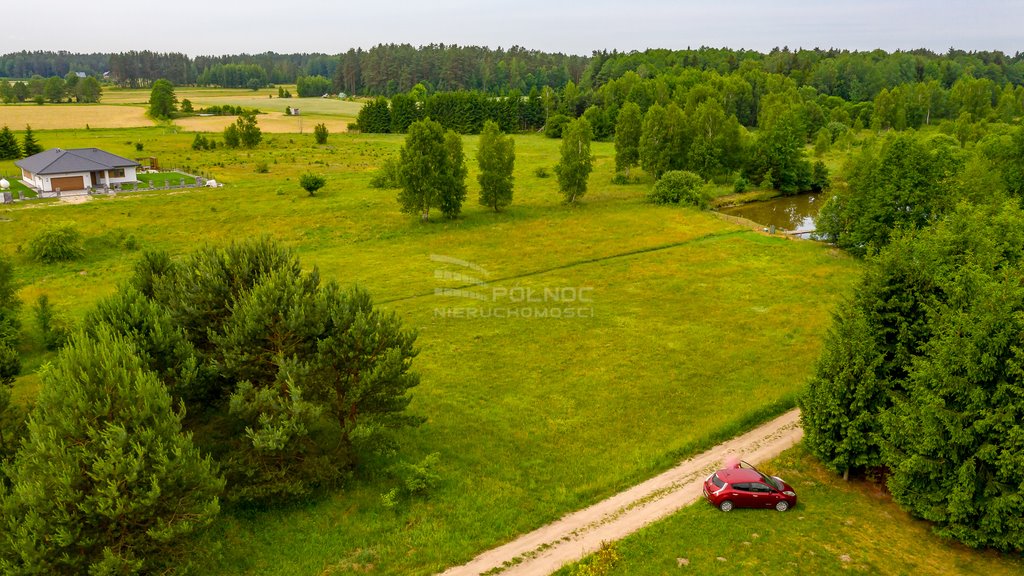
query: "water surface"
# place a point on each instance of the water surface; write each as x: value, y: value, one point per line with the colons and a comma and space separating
x: 785, y: 213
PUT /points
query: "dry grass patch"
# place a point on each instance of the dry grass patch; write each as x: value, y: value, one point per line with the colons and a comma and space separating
x: 51, y: 117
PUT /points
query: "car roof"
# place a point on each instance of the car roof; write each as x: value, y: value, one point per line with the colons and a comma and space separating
x: 734, y: 475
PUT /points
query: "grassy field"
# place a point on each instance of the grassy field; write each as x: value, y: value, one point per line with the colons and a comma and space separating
x: 838, y: 528
x: 532, y: 417
x: 684, y: 326
x: 126, y: 108
x: 54, y: 116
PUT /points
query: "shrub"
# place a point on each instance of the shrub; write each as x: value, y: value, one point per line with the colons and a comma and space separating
x: 741, y: 185
x: 417, y: 479
x: 262, y: 167
x: 601, y: 563
x: 388, y: 175
x: 320, y: 133
x: 312, y: 182
x: 10, y: 366
x: 680, y: 187
x: 232, y: 137
x: 201, y: 142
x: 555, y: 124
x: 541, y: 172
x: 9, y: 304
x: 58, y: 242
x: 55, y: 330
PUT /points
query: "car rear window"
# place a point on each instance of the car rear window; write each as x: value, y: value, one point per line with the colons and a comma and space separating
x: 717, y: 481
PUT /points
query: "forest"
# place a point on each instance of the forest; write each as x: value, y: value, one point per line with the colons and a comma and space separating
x: 388, y: 69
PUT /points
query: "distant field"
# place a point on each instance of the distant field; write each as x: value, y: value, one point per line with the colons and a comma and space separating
x: 127, y: 109
x: 272, y: 122
x: 58, y: 116
x: 265, y: 99
x: 838, y: 528
x: 141, y: 95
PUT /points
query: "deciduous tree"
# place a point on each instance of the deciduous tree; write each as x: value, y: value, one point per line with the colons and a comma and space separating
x: 162, y: 101
x: 576, y: 162
x: 496, y: 157
x: 432, y: 171
x: 628, y: 130
x: 655, y: 142
x: 88, y: 90
x: 453, y: 190
x: 249, y: 133
x: 54, y: 89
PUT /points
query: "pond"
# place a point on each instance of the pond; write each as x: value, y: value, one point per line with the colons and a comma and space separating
x: 792, y: 213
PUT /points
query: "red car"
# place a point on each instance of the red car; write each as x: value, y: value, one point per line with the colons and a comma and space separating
x: 744, y: 486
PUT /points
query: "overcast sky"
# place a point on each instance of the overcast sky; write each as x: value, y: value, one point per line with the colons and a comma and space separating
x: 578, y: 27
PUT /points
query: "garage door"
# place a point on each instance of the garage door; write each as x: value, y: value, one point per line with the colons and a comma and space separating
x: 65, y: 184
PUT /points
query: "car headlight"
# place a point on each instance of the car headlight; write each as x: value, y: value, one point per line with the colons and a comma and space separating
x: 789, y: 493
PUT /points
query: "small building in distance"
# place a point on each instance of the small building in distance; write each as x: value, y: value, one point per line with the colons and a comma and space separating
x: 77, y: 169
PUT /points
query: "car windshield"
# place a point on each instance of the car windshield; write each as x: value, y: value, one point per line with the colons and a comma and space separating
x: 717, y: 481
x: 771, y: 481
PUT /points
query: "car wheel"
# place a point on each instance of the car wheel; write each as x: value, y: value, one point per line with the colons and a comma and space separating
x: 782, y: 506
x: 725, y: 506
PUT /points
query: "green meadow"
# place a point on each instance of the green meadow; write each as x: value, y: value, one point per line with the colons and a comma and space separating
x: 605, y: 341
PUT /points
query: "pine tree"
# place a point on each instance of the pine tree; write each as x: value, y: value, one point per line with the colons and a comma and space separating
x: 29, y: 146
x: 9, y: 148
x: 496, y: 157
x: 106, y: 482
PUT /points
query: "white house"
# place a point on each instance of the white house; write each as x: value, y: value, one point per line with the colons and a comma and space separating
x: 78, y: 169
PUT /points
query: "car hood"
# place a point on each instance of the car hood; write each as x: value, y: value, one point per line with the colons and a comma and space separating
x: 785, y: 485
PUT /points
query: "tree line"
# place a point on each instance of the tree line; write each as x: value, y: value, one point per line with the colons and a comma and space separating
x: 389, y: 69
x: 53, y: 89
x: 919, y: 381
x: 461, y: 112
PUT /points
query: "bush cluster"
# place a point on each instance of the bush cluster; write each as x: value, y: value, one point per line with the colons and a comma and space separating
x: 680, y: 187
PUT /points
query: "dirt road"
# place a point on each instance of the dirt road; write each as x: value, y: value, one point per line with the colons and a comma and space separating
x: 547, y: 549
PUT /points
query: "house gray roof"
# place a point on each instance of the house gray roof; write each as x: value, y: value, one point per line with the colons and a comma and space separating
x: 57, y: 161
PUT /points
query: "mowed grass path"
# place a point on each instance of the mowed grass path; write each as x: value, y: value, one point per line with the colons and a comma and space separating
x: 838, y: 528
x: 694, y: 327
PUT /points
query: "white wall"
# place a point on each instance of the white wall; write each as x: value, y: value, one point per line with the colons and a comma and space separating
x: 43, y: 182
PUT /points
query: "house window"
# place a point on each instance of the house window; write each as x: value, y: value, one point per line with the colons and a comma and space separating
x: 117, y: 173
